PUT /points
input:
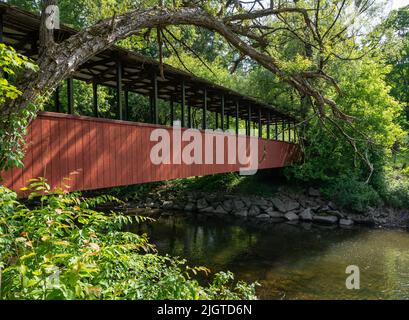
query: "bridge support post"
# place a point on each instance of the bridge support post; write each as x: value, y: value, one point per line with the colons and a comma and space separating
x: 289, y: 131
x: 204, y: 122
x: 151, y: 107
x: 183, y: 104
x: 268, y: 124
x: 283, y: 130
x: 172, y: 112
x: 95, y: 96
x: 237, y: 117
x: 70, y: 96
x: 189, y: 115
x: 275, y: 129
x: 57, y: 99
x: 155, y: 116
x: 126, y: 97
x: 119, y: 89
x: 249, y: 121
x: 260, y: 125
x: 222, y: 115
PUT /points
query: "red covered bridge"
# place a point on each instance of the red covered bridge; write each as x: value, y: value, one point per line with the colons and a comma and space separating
x: 97, y: 152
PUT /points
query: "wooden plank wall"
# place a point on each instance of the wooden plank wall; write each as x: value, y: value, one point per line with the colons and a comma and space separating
x: 101, y: 153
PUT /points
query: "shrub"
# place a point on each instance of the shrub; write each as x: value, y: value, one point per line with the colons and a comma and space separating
x: 59, y: 247
x: 351, y: 193
x: 396, y: 189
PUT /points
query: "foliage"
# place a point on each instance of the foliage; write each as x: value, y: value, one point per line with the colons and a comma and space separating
x: 59, y: 247
x: 12, y: 64
x: 367, y: 99
x: 351, y: 193
x: 396, y: 51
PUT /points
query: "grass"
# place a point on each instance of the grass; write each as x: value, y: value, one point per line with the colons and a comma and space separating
x: 264, y: 183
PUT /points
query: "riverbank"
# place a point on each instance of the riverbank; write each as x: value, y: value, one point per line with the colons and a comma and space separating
x: 285, y: 205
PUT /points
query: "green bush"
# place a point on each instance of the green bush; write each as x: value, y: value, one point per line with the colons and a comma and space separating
x: 351, y: 193
x: 396, y: 189
x: 59, y: 247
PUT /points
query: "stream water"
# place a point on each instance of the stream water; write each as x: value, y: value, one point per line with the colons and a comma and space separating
x: 291, y: 261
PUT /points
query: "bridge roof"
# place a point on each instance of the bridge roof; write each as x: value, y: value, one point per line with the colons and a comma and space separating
x: 21, y: 30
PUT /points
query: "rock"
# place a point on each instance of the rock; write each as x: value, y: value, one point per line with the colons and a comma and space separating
x: 150, y: 205
x: 241, y: 213
x: 362, y: 219
x: 167, y: 204
x: 190, y: 207
x: 274, y: 214
x: 312, y: 192
x: 325, y: 219
x: 324, y: 208
x: 238, y: 204
x: 346, y: 222
x: 337, y: 213
x: 260, y: 202
x: 219, y: 210
x: 278, y: 204
x: 227, y: 205
x: 285, y: 205
x: 316, y: 208
x: 254, y: 211
x: 263, y: 216
x: 208, y: 209
x: 291, y: 216
x: 292, y: 205
x: 247, y: 202
x: 330, y: 212
x: 306, y: 215
x: 201, y: 204
x: 332, y: 205
x: 210, y: 198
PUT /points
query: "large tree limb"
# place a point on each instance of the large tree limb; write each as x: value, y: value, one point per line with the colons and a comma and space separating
x: 56, y: 65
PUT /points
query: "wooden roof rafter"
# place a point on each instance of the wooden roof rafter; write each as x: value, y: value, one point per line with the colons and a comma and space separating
x: 21, y: 27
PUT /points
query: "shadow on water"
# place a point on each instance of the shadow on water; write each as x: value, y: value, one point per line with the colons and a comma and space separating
x: 290, y: 261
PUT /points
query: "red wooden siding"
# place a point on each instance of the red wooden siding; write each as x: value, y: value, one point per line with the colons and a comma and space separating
x: 102, y: 153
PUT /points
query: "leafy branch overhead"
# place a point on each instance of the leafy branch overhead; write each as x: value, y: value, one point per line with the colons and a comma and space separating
x: 245, y: 30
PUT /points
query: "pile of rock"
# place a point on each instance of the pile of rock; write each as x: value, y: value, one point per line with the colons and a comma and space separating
x: 280, y: 208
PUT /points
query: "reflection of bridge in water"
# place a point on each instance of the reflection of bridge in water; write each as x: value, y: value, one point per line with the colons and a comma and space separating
x: 106, y: 152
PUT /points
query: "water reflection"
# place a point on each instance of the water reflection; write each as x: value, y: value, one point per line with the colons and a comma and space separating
x: 291, y: 262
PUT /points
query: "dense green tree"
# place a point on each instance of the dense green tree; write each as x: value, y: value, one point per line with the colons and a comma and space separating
x: 396, y: 51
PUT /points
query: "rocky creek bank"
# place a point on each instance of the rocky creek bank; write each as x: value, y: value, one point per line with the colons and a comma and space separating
x: 285, y: 206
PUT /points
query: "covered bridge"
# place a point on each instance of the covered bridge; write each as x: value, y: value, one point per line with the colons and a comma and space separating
x: 97, y: 152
